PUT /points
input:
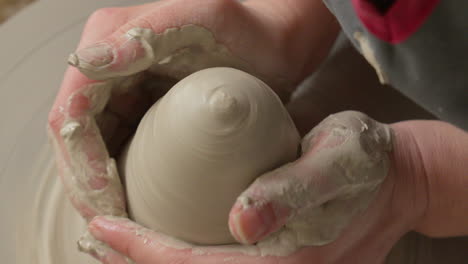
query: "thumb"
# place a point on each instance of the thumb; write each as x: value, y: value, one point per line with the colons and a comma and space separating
x: 118, y: 55
x: 344, y: 161
x: 277, y: 197
x: 256, y: 212
x: 174, y: 39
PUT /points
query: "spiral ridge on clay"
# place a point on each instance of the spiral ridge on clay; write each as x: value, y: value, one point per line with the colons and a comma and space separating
x: 199, y: 147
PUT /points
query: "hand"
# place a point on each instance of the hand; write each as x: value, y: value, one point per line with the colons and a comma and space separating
x: 358, y: 210
x: 118, y: 74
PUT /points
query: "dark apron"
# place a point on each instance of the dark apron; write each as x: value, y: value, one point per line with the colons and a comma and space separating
x: 420, y: 49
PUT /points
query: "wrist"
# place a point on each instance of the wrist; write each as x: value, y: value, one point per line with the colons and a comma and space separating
x: 429, y: 162
x: 442, y: 150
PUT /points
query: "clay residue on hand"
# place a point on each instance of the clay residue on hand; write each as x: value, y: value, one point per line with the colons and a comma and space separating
x: 369, y: 54
x: 352, y: 166
x: 77, y: 132
x: 176, y: 52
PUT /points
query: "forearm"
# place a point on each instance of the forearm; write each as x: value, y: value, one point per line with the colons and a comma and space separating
x: 306, y: 30
x: 431, y: 160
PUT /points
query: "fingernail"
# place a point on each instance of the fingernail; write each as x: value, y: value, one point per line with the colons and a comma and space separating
x: 251, y: 224
x: 98, y: 55
x: 99, y: 223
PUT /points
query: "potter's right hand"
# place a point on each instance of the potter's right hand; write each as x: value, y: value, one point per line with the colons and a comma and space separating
x: 358, y: 187
x: 125, y: 61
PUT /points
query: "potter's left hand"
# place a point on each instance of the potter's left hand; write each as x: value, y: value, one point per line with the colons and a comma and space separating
x: 357, y: 188
x: 129, y: 57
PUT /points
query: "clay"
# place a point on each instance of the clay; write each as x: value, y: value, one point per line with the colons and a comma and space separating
x: 199, y: 147
x: 369, y: 54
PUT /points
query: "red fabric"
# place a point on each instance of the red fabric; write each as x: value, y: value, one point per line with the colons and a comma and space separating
x: 400, y: 21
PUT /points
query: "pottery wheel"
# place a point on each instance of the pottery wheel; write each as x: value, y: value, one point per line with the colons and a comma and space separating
x: 35, y: 211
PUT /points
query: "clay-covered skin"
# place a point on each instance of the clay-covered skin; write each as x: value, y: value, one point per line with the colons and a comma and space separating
x: 85, y: 142
x: 199, y: 147
x: 350, y: 162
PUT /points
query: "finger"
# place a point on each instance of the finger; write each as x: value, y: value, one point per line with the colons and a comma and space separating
x: 148, y: 247
x: 108, y: 51
x: 97, y: 28
x: 100, y: 251
x: 119, y: 52
x: 89, y: 175
x: 71, y: 103
x: 274, y: 197
x: 130, y: 239
x: 77, y: 139
x: 157, y: 39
